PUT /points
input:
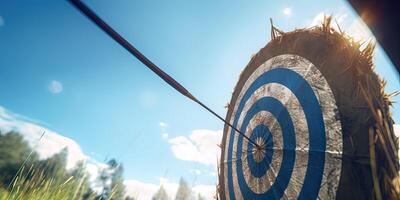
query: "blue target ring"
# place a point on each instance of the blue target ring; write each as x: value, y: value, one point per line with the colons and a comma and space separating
x: 317, y: 141
x: 282, y: 180
x: 260, y: 168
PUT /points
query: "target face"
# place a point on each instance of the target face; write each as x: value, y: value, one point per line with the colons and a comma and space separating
x: 287, y: 107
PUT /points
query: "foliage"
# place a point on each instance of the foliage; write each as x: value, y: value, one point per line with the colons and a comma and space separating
x: 111, y: 181
x: 161, y: 194
x: 24, y: 176
x: 13, y: 152
x: 184, y: 192
x: 35, y: 185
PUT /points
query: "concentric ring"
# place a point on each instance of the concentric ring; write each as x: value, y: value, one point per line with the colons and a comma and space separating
x: 302, y: 152
x: 263, y: 183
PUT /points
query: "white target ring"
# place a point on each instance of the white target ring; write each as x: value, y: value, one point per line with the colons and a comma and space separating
x: 289, y: 102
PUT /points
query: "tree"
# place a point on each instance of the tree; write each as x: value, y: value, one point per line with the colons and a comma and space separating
x: 83, y: 190
x: 112, y: 182
x: 184, y: 192
x: 161, y: 194
x: 117, y: 180
x: 54, y: 167
x: 14, y: 152
x: 17, y: 159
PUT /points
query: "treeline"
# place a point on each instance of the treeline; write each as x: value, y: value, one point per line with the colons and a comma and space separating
x: 24, y: 176
x: 184, y: 193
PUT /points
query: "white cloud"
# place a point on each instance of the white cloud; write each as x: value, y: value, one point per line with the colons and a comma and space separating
x: 337, y: 19
x: 200, y: 146
x: 163, y: 124
x: 4, y: 114
x: 195, y: 171
x: 50, y: 144
x: 359, y: 30
x: 164, y: 135
x: 207, y: 191
x: 93, y: 167
x: 55, y: 87
x: 2, y: 22
x: 144, y: 191
x: 287, y: 11
x: 140, y: 190
x: 318, y: 19
x: 341, y: 17
x: 203, y: 172
x: 163, y: 127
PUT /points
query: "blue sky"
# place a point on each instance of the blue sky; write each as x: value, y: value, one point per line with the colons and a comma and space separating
x: 59, y: 69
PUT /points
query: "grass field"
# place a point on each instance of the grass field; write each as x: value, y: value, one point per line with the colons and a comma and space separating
x: 33, y: 185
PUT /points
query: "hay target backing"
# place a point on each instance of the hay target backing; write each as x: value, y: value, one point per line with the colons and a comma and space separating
x: 299, y: 100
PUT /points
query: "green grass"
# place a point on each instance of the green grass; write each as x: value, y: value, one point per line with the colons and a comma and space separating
x: 29, y: 184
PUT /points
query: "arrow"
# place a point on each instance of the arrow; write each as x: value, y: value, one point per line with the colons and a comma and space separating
x: 129, y: 47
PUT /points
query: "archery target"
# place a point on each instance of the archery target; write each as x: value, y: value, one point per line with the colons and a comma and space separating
x: 287, y: 107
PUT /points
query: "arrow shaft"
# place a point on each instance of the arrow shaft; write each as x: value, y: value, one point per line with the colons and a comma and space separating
x: 130, y: 48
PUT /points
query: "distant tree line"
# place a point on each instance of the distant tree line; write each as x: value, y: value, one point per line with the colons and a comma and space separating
x: 21, y: 167
x: 184, y: 193
x: 18, y: 161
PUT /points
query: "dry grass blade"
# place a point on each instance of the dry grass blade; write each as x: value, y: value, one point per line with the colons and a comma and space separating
x: 372, y: 141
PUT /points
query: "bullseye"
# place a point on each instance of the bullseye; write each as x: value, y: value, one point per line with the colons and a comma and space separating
x: 262, y: 155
